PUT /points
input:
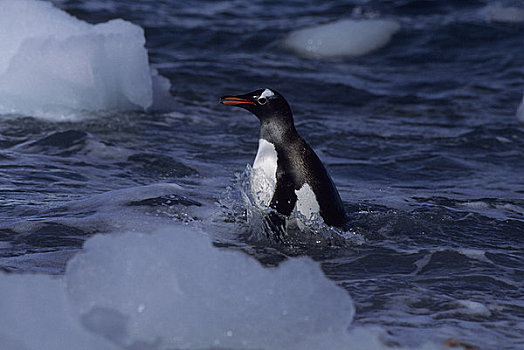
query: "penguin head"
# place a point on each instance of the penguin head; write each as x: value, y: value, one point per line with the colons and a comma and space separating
x: 266, y: 104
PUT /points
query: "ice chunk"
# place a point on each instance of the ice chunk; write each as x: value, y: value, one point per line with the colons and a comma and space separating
x: 173, y: 287
x: 54, y: 62
x: 342, y: 38
x: 499, y: 13
x: 36, y: 313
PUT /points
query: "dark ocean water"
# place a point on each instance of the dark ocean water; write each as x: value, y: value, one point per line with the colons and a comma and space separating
x: 420, y: 137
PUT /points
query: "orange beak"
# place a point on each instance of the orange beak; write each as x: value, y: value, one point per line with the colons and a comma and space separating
x: 233, y: 101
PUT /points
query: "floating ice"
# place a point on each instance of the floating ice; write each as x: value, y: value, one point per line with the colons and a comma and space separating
x: 36, y: 313
x: 52, y: 62
x: 342, y: 38
x: 499, y: 13
x: 173, y: 289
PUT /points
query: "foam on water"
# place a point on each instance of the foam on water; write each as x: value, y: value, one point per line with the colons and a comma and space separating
x: 54, y: 64
x: 520, y: 111
x: 505, y: 14
x: 342, y: 38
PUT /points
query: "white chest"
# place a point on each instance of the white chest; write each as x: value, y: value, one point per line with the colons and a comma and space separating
x: 264, y: 174
x: 264, y: 179
x: 307, y: 203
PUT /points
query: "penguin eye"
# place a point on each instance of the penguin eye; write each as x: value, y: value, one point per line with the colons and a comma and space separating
x: 262, y: 101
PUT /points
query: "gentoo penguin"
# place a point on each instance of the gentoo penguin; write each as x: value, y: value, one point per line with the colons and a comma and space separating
x: 294, y: 175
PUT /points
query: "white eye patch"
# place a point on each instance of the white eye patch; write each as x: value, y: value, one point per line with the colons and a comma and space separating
x: 267, y: 94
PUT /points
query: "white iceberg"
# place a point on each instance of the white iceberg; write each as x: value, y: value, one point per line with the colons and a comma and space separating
x: 342, y: 38
x: 53, y: 62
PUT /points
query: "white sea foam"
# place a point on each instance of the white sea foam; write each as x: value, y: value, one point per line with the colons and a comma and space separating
x: 507, y: 14
x: 53, y: 63
x: 520, y: 111
x: 342, y: 38
x: 478, y: 205
x: 464, y: 307
x: 474, y: 308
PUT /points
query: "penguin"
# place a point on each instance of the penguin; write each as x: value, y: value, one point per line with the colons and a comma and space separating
x: 287, y: 174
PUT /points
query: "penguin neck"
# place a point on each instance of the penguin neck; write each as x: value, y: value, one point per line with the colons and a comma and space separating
x: 277, y: 130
